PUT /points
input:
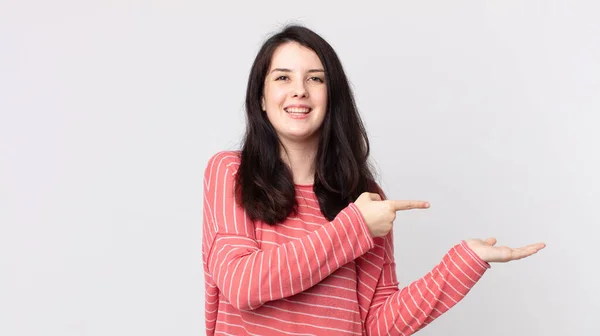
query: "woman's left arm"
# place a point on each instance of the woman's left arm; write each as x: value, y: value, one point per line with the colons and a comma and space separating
x: 395, y: 311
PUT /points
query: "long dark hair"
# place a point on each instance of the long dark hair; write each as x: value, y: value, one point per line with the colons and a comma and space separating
x: 264, y: 183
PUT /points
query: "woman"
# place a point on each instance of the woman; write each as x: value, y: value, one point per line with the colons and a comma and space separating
x: 297, y: 235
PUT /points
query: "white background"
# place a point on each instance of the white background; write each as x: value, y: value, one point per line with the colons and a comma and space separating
x: 109, y: 111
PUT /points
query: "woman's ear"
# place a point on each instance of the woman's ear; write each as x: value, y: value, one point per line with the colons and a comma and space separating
x: 262, y: 103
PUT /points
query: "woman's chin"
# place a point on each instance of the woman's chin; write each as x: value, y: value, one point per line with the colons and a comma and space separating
x: 300, y: 136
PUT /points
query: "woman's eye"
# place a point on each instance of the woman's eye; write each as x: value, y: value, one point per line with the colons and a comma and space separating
x: 283, y: 77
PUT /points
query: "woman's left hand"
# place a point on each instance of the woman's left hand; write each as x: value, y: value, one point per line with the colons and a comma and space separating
x: 488, y: 252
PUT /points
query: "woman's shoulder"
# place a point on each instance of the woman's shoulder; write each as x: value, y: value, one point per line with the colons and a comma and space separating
x: 223, y: 158
x: 229, y: 155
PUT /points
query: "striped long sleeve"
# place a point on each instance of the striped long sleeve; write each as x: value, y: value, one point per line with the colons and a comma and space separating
x: 249, y: 276
x: 395, y: 311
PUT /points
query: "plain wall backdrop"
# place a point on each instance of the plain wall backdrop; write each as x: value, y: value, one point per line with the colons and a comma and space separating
x: 109, y: 111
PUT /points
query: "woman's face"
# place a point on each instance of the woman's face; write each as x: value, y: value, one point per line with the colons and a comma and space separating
x: 295, y: 93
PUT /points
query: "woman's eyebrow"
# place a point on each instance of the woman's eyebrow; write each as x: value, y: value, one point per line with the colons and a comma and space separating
x: 288, y: 70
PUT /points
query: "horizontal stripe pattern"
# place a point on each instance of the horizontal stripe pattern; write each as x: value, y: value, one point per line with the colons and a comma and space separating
x: 311, y: 276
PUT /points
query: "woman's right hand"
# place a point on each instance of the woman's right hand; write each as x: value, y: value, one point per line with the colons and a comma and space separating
x: 380, y: 215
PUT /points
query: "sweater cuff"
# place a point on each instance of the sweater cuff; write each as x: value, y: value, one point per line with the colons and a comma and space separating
x: 480, y: 262
x: 360, y: 225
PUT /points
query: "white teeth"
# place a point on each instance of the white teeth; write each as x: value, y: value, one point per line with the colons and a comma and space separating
x: 297, y: 110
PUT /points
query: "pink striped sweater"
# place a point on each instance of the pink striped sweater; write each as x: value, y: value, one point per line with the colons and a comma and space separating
x: 311, y: 276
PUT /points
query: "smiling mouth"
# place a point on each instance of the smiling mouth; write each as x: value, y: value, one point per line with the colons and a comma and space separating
x: 298, y: 110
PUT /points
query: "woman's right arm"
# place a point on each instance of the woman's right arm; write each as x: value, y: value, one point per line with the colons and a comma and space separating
x: 248, y: 276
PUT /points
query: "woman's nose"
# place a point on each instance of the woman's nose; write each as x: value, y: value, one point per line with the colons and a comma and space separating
x: 299, y: 91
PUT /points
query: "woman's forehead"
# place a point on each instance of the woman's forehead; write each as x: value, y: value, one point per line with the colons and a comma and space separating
x: 293, y: 56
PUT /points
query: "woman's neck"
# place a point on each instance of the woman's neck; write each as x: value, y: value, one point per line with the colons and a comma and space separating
x: 300, y: 158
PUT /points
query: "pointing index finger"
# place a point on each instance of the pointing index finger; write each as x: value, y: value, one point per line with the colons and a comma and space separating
x: 407, y: 205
